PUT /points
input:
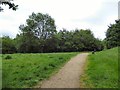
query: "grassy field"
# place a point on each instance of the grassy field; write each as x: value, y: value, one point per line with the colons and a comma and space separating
x: 101, y: 70
x: 26, y: 70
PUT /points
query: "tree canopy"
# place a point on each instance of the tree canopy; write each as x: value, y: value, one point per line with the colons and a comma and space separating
x: 39, y: 35
x: 113, y: 35
x: 34, y: 35
x: 8, y: 45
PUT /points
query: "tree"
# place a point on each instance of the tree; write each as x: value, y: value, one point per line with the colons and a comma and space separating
x: 9, y: 3
x: 39, y: 28
x: 113, y: 35
x: 78, y: 40
x: 25, y: 44
x: 83, y: 40
x: 51, y: 44
x: 8, y: 45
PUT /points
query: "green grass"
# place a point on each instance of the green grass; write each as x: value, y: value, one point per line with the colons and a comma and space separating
x: 0, y: 72
x: 101, y: 70
x: 26, y: 70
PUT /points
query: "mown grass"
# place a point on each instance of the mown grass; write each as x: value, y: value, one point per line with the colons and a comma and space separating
x: 101, y: 70
x: 26, y: 70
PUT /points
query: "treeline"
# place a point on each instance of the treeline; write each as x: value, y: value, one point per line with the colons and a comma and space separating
x: 62, y: 41
x: 39, y: 35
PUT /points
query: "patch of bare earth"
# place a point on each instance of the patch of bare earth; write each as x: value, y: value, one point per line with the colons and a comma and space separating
x: 68, y: 76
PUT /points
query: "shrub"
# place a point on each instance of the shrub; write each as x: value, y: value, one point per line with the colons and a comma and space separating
x: 8, y: 57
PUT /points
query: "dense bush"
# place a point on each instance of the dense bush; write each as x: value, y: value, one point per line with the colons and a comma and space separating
x: 113, y: 35
x: 8, y: 57
x: 8, y: 45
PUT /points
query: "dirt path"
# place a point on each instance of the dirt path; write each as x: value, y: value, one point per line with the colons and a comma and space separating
x: 69, y: 75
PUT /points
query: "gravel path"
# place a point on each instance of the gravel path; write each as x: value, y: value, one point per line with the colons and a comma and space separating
x: 69, y: 75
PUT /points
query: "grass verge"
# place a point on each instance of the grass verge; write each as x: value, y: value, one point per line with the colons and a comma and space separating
x: 101, y: 70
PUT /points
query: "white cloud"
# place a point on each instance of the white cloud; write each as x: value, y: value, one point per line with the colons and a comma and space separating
x: 69, y: 14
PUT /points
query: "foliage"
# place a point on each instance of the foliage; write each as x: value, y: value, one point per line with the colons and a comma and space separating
x: 113, y: 35
x: 8, y: 57
x: 78, y: 40
x: 8, y: 45
x: 9, y: 3
x: 39, y: 35
x: 26, y: 70
x: 38, y: 32
x: 102, y: 70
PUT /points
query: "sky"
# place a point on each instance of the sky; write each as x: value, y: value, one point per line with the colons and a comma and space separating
x: 95, y: 15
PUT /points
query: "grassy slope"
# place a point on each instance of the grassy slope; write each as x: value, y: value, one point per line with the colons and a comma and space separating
x: 102, y: 70
x: 26, y: 70
x: 0, y: 72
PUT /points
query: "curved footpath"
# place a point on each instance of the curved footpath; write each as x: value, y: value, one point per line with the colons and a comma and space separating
x: 69, y: 75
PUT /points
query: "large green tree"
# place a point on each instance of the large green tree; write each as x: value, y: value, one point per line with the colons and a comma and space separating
x: 39, y: 28
x: 77, y: 40
x: 84, y: 40
x: 113, y: 35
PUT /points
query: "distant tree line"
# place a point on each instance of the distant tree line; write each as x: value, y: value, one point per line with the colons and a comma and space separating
x: 39, y: 35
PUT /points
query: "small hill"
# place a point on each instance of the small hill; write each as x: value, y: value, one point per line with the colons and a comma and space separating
x: 101, y: 70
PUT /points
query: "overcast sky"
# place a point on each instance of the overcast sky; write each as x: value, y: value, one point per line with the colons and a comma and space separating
x: 70, y: 14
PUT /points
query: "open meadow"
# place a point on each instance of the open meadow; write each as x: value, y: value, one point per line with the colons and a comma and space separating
x: 26, y: 70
